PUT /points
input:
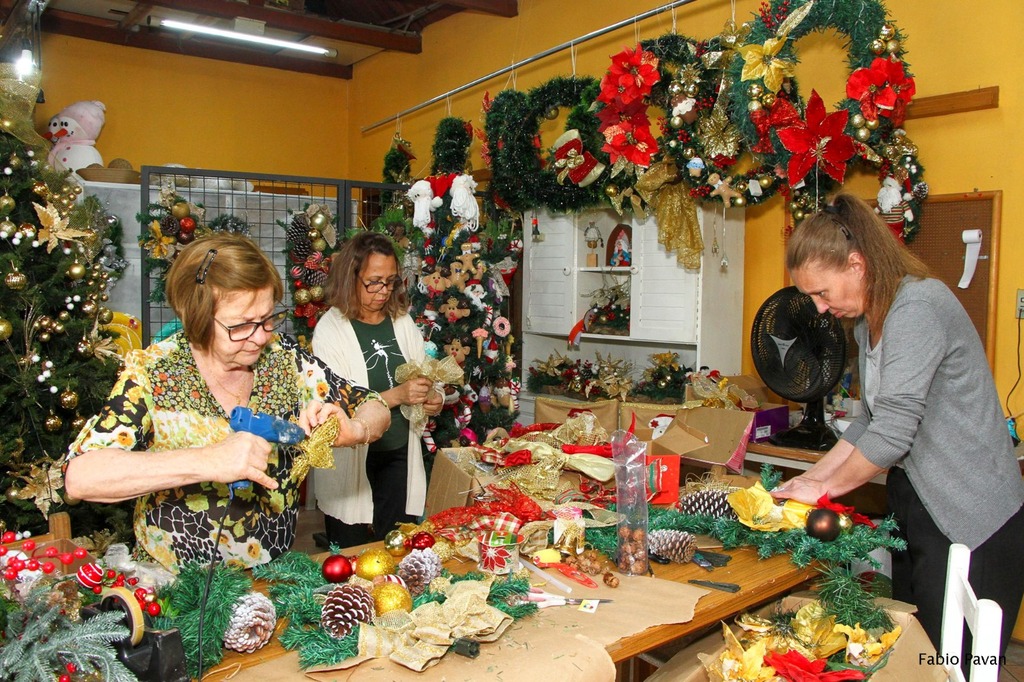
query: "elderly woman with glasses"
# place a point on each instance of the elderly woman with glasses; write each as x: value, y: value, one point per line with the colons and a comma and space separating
x: 164, y: 436
x: 366, y: 335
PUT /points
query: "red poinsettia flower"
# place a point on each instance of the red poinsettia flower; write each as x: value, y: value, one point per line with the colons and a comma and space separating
x: 634, y: 142
x: 818, y: 141
x: 793, y: 666
x: 493, y: 558
x: 635, y: 113
x: 632, y: 75
x: 882, y: 89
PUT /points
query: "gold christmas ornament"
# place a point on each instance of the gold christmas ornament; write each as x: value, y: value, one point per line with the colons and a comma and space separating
x: 675, y: 88
x: 63, y: 316
x: 798, y: 215
x: 7, y: 226
x: 739, y: 201
x: 676, y: 121
x: 15, y: 280
x: 862, y: 134
x: 609, y: 190
x: 77, y: 424
x: 106, y: 316
x: 391, y: 597
x: 394, y: 543
x: 313, y: 234
x: 319, y: 220
x: 857, y: 120
x: 845, y: 523
x: 316, y: 293
x: 886, y: 32
x: 689, y: 153
x: 58, y: 328
x: 68, y: 399
x: 76, y: 271
x: 40, y: 188
x: 44, y: 337
x: 301, y: 296
x: 753, y: 105
x: 374, y: 562
x: 89, y: 307
x: 5, y: 329
x: 53, y: 423
x: 877, y: 46
x: 180, y: 210
x: 319, y: 244
x: 871, y: 124
x: 754, y: 90
x: 765, y: 181
x: 84, y: 348
x: 690, y: 90
x: 768, y: 99
x: 7, y: 204
x: 551, y: 114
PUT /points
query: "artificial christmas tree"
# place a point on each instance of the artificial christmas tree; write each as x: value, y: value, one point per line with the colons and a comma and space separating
x: 57, y: 262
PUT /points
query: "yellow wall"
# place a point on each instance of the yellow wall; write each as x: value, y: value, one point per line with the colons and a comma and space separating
x: 166, y: 108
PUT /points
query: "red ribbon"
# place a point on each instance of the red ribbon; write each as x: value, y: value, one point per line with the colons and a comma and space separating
x: 825, y: 503
x: 518, y: 430
x: 782, y: 113
x: 574, y: 160
x: 602, y: 450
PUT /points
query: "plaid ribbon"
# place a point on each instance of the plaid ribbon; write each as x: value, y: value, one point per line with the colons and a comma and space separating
x: 502, y: 522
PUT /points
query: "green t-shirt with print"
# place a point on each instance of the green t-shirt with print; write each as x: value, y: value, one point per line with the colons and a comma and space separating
x: 383, y: 356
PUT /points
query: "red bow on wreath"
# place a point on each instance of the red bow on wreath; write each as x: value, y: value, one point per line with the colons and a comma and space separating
x: 782, y: 113
x: 825, y: 503
x: 574, y: 162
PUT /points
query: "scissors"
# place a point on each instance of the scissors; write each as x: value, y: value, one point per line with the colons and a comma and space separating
x: 545, y: 599
x: 568, y: 571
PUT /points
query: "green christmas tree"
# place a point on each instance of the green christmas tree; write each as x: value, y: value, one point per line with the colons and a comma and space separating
x: 462, y: 300
x: 58, y: 259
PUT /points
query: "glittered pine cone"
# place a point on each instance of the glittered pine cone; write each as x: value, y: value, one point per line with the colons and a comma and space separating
x: 345, y: 606
x: 418, y: 568
x: 169, y: 226
x: 677, y: 545
x: 253, y: 619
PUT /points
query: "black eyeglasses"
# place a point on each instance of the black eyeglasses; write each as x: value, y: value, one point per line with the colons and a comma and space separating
x: 245, y: 330
x: 204, y: 266
x: 375, y: 285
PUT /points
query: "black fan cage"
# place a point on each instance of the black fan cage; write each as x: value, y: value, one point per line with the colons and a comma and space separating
x: 799, y: 352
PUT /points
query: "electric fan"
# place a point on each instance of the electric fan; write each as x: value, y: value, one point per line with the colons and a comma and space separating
x: 800, y: 354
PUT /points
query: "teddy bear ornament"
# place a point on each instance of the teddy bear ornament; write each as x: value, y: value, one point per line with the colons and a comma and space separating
x: 73, y: 132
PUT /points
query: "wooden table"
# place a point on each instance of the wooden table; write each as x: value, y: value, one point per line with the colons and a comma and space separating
x: 760, y: 581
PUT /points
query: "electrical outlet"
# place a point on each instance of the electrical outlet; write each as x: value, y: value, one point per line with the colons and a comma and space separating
x: 1020, y: 304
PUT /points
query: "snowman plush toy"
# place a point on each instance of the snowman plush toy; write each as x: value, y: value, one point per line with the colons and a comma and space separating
x: 73, y: 132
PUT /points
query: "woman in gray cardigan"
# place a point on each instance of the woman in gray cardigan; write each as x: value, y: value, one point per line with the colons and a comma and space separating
x: 932, y: 414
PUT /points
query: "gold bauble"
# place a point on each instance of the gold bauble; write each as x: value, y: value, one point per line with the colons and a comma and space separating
x: 765, y: 181
x: 676, y: 122
x: 68, y: 399
x: 15, y: 281
x: 374, y: 562
x: 690, y: 90
x: 611, y: 190
x: 106, y: 316
x: 662, y: 384
x: 76, y: 271
x: 319, y: 244
x: 741, y: 186
x: 7, y: 203
x: 15, y: 161
x: 180, y: 210
x: 394, y: 543
x: 877, y: 46
x: 7, y: 226
x: 689, y: 153
x: 857, y: 120
x: 313, y: 233
x: 871, y: 124
x: 84, y: 348
x: 58, y: 328
x: 316, y: 293
x: 754, y: 90
x: 673, y: 144
x: 319, y: 221
x: 892, y: 46
x: 77, y: 424
x: 44, y: 337
x: 798, y: 215
x: 845, y: 523
x: 301, y: 296
x: 6, y: 329
x: 675, y: 88
x: 551, y: 114
x: 89, y: 307
x: 739, y: 201
x: 40, y: 188
x: 792, y: 206
x: 603, y: 319
x: 53, y: 423
x: 104, y: 297
x: 391, y: 597
x: 768, y: 99
x: 862, y: 134
x: 63, y: 316
x: 886, y: 32
x: 753, y: 105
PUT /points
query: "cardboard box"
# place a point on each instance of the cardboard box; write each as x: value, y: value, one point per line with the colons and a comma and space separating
x: 908, y: 660
x: 651, y: 418
x: 449, y: 485
x: 772, y: 414
x: 552, y: 410
x: 708, y: 436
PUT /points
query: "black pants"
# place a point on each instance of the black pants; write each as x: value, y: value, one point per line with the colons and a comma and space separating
x: 919, y: 573
x: 388, y: 473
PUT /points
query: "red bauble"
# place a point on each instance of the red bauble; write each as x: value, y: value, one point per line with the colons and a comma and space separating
x: 187, y: 224
x: 7, y: 537
x: 337, y: 569
x: 422, y: 540
x: 153, y: 608
x: 90, y: 575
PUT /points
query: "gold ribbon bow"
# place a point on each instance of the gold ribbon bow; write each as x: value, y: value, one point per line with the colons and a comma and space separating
x: 316, y: 450
x: 441, y: 372
x: 675, y: 212
x: 17, y: 102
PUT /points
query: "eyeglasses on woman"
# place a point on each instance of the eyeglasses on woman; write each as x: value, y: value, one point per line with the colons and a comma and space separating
x: 245, y: 330
x: 376, y: 285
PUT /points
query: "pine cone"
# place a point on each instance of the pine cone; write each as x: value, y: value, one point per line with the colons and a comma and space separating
x: 297, y: 233
x: 346, y: 605
x: 170, y: 226
x: 315, y: 278
x: 253, y: 619
x: 418, y: 568
x: 677, y: 545
x: 708, y: 502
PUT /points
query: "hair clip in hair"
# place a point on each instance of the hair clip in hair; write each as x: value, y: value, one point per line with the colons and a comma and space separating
x: 204, y: 266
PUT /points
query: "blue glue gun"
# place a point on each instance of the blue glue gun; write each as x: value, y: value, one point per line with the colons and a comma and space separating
x: 271, y: 429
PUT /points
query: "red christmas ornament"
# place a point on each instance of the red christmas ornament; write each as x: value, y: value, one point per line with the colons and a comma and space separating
x: 153, y: 608
x: 337, y: 569
x: 48, y: 567
x: 3, y: 550
x: 51, y: 552
x: 80, y: 552
x: 28, y: 545
x: 90, y: 575
x: 187, y: 224
x: 67, y: 559
x: 421, y: 540
x: 7, y: 537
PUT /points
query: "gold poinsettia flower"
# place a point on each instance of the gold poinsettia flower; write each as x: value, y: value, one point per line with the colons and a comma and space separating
x: 816, y: 630
x: 761, y: 61
x: 737, y: 663
x: 862, y: 648
x: 756, y: 509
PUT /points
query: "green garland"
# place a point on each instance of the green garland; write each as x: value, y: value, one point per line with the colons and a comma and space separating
x: 451, y: 146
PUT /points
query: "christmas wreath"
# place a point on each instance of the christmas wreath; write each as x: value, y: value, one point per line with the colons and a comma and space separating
x: 521, y: 178
x: 311, y: 238
x: 806, y: 147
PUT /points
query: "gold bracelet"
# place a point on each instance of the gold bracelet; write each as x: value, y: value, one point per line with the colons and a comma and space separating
x: 366, y: 430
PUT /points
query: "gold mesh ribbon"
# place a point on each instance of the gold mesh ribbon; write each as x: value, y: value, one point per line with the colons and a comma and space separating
x: 17, y: 102
x: 420, y: 638
x: 316, y: 450
x: 441, y: 372
x: 675, y: 212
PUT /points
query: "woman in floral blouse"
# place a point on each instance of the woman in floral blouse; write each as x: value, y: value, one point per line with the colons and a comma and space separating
x: 163, y: 436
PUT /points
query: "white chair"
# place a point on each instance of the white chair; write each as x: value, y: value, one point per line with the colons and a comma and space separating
x: 984, y: 618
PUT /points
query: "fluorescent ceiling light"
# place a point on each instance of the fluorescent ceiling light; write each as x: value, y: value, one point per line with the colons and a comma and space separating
x: 247, y: 37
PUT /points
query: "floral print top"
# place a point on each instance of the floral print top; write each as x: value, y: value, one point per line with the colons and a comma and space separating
x: 161, y: 402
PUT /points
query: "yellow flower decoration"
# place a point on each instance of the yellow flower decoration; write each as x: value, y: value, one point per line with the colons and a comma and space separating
x: 862, y: 648
x: 760, y: 61
x: 737, y: 664
x: 756, y: 509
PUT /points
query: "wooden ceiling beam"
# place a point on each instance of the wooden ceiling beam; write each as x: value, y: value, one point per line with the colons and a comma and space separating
x: 70, y: 24
x: 135, y: 16
x: 300, y: 23
x: 499, y: 8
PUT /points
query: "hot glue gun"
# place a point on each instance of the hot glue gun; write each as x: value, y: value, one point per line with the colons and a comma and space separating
x: 270, y: 428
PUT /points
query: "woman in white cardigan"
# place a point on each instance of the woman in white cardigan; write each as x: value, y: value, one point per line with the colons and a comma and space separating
x: 365, y: 335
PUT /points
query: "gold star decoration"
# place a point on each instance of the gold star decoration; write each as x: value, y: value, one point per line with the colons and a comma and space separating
x: 55, y: 228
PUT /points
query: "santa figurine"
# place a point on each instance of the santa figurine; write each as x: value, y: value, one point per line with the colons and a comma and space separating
x: 73, y: 133
x: 894, y: 206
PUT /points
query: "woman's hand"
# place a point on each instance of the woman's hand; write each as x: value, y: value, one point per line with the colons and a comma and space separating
x: 240, y: 457
x: 415, y: 391
x: 434, y: 402
x: 316, y: 413
x: 801, y: 489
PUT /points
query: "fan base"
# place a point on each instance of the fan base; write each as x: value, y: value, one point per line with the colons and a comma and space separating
x: 806, y: 437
